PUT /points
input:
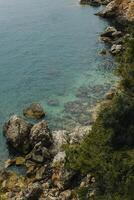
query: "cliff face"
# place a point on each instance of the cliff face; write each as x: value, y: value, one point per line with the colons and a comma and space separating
x: 121, y: 9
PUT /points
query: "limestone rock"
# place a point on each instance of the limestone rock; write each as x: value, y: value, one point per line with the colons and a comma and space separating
x: 11, y: 182
x: 17, y: 132
x: 116, y: 49
x: 59, y: 159
x: 33, y: 192
x: 65, y: 195
x: 40, y: 173
x: 53, y: 102
x: 41, y: 133
x: 88, y: 180
x: 109, y: 31
x: 39, y: 154
x: 61, y: 177
x: 78, y: 133
x: 112, y: 35
x: 122, y: 10
x: 59, y: 139
x: 109, y: 10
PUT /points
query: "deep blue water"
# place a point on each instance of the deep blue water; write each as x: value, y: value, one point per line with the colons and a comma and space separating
x: 48, y: 50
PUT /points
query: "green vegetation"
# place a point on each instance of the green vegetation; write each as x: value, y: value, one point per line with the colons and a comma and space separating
x: 108, y: 151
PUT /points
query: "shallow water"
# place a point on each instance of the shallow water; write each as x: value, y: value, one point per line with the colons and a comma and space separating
x: 48, y: 51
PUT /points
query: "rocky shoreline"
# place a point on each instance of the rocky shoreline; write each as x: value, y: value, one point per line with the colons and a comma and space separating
x: 42, y: 155
x: 120, y: 10
x: 42, y: 151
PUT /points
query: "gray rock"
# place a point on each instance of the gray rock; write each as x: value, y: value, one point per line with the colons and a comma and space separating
x: 40, y: 173
x: 78, y: 134
x: 111, y: 35
x: 65, y: 195
x: 109, y: 31
x: 103, y: 52
x: 109, y: 10
x: 59, y: 158
x: 59, y: 139
x: 41, y: 133
x: 17, y: 131
x: 116, y: 48
x: 105, y: 2
x: 39, y: 154
x: 33, y: 192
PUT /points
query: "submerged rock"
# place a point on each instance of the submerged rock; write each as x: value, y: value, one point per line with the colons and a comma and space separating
x: 75, y: 108
x: 34, y: 111
x: 83, y: 92
x: 17, y: 131
x: 103, y: 52
x: 53, y: 102
x: 91, y: 2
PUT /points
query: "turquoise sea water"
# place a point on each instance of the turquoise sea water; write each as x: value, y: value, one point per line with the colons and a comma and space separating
x: 49, y: 54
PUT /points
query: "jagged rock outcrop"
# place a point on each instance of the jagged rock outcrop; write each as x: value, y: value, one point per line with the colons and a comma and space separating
x: 46, y: 174
x: 40, y: 133
x: 17, y: 131
x: 111, y: 32
x: 60, y: 138
x: 115, y: 38
x: 33, y: 192
x: 122, y: 10
x: 116, y: 48
x: 94, y: 2
x: 39, y: 154
x: 91, y: 2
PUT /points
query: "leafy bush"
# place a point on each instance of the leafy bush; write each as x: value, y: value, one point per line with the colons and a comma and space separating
x: 108, y: 151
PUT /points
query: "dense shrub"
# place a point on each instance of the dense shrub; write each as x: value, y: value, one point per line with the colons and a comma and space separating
x: 108, y: 150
